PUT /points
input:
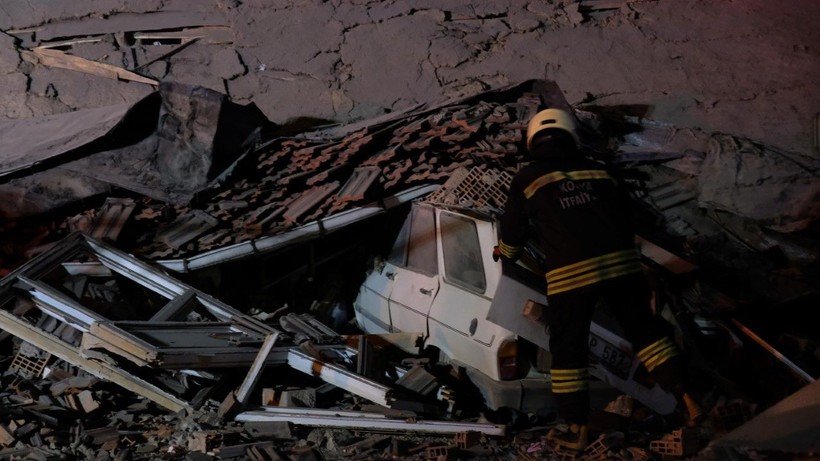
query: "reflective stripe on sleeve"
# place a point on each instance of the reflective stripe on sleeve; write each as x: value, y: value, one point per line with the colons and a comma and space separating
x: 509, y: 251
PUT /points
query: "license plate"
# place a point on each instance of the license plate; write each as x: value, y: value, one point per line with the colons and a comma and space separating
x: 608, y: 355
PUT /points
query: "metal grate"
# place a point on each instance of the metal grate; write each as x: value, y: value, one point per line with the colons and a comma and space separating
x: 478, y: 189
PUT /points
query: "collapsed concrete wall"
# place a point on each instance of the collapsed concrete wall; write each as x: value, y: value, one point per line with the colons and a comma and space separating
x: 168, y: 146
x: 745, y: 68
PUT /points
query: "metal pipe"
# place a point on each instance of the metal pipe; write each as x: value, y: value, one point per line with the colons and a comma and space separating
x: 340, y: 377
x: 778, y: 355
x: 306, y: 231
x: 364, y: 421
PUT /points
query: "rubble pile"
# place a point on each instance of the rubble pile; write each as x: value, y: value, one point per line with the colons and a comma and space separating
x: 69, y: 414
x: 109, y: 357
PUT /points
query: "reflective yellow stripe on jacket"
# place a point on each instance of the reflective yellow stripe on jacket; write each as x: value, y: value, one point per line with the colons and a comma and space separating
x: 562, y: 175
x: 592, y: 270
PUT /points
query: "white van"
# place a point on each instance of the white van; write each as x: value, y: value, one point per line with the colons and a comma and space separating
x: 440, y: 282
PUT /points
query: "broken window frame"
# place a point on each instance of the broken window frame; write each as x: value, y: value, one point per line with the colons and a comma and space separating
x: 127, y: 266
x: 181, y: 299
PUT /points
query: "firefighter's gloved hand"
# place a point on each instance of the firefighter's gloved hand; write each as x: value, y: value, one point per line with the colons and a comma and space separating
x: 496, y: 253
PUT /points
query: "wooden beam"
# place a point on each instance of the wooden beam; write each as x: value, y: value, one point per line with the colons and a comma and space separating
x: 256, y: 369
x: 56, y: 58
x: 71, y: 354
x: 126, y: 22
x: 69, y: 43
x: 207, y: 34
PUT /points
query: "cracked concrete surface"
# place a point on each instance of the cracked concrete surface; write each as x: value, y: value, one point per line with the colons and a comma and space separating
x: 747, y: 68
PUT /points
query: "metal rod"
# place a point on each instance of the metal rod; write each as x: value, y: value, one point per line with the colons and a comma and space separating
x: 362, y: 421
x: 779, y: 355
x: 340, y: 377
x: 305, y: 411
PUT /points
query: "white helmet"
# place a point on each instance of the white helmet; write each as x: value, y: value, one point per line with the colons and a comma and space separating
x: 551, y: 119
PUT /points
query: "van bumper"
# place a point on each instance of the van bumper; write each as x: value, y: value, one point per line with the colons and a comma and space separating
x: 533, y: 394
x: 527, y: 394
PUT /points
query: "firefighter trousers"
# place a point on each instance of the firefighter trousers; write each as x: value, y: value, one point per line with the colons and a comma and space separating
x: 569, y: 316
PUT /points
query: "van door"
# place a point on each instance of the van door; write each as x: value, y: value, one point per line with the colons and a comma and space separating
x: 457, y: 323
x: 415, y: 282
x: 371, y: 305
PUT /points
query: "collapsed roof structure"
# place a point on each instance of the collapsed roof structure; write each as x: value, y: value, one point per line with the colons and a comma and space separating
x: 190, y: 194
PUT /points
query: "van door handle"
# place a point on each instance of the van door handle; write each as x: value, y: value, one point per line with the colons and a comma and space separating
x: 390, y: 275
x: 425, y: 291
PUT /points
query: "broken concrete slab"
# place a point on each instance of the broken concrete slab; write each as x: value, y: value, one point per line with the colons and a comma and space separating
x: 9, y: 58
x: 777, y: 189
x: 29, y: 143
x: 156, y: 147
x: 791, y: 426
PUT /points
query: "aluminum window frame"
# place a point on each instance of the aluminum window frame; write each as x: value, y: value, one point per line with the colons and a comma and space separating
x: 449, y: 249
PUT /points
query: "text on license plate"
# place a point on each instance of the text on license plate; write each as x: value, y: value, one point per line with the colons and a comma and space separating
x: 610, y: 356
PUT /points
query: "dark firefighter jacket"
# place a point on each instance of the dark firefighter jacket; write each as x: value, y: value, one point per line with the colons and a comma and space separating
x: 581, y: 219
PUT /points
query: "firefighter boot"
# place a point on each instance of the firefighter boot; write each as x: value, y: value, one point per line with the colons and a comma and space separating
x: 575, y: 438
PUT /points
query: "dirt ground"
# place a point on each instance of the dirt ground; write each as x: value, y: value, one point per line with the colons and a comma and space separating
x: 748, y: 68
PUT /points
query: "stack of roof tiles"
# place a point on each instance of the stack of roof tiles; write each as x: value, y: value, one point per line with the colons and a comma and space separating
x: 291, y: 181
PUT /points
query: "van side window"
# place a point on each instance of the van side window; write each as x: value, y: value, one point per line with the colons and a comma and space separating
x: 415, y: 247
x: 462, y: 253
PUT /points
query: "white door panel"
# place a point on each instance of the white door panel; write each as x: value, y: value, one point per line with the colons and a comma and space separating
x: 372, y: 305
x: 410, y: 301
x: 458, y: 326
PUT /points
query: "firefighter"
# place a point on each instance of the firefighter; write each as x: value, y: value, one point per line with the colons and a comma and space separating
x: 582, y: 221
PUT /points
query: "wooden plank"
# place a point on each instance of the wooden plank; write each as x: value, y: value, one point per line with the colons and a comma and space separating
x: 208, y: 34
x: 664, y: 258
x: 256, y: 369
x: 59, y: 59
x: 71, y: 354
x: 128, y: 22
x: 69, y: 43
